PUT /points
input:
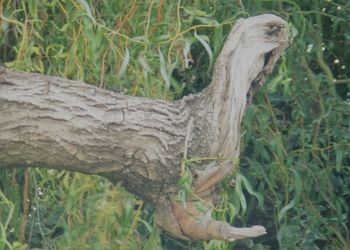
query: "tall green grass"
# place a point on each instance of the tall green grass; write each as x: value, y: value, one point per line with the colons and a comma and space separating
x: 295, y: 137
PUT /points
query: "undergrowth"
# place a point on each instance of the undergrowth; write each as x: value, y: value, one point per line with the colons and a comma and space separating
x: 295, y: 137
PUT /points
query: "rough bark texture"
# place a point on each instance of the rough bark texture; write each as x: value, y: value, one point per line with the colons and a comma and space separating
x: 57, y: 123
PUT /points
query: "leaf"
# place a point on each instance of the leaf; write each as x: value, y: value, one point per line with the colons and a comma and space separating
x: 250, y: 190
x: 207, y: 48
x: 125, y: 63
x: 182, y: 181
x: 142, y: 60
x: 163, y: 70
x: 19, y: 246
x: 232, y: 211
x: 217, y: 39
x: 273, y: 83
x: 206, y: 20
x: 146, y: 224
x: 347, y: 35
x: 153, y: 242
x: 3, y: 241
x: 297, y: 196
x: 186, y: 52
x: 87, y: 9
x: 293, y: 31
x: 181, y: 195
x: 38, y: 65
x: 195, y: 12
x: 240, y: 194
x: 339, y: 155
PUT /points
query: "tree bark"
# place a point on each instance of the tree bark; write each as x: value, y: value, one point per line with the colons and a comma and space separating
x: 57, y: 123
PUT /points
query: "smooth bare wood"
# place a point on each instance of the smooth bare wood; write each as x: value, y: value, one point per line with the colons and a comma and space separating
x: 138, y: 142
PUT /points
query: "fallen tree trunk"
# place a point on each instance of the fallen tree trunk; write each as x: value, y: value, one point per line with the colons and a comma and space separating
x: 57, y: 123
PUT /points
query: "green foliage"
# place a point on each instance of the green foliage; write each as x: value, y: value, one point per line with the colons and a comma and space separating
x: 295, y: 167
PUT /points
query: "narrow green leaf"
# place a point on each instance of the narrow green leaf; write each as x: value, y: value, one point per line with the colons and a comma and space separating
x: 186, y: 52
x: 163, y: 70
x: 207, y: 48
x: 232, y: 211
x: 142, y: 60
x: 125, y: 63
x: 240, y: 194
x: 250, y: 190
x: 87, y: 9
x: 297, y: 196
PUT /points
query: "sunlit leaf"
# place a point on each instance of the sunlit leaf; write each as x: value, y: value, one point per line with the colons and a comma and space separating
x: 125, y: 63
x: 201, y: 39
x: 163, y: 70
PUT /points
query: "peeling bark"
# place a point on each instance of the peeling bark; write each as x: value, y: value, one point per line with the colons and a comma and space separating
x: 62, y: 124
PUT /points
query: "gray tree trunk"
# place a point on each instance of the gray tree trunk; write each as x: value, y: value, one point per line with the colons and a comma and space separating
x: 57, y: 123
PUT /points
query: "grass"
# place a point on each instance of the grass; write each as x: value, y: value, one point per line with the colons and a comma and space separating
x: 295, y: 143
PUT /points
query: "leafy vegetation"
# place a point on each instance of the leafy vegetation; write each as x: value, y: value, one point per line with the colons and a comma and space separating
x: 295, y: 137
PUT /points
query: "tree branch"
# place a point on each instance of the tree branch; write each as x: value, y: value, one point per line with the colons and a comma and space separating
x: 62, y: 124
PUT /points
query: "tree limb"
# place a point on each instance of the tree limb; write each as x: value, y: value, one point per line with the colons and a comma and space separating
x: 57, y: 123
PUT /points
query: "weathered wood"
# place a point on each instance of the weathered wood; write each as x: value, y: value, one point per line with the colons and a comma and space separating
x: 57, y: 123
x: 62, y: 124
